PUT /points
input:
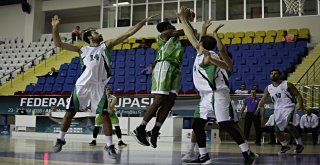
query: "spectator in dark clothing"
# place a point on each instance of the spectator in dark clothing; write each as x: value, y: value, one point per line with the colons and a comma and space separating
x: 143, y: 43
x: 52, y: 73
x: 76, y: 34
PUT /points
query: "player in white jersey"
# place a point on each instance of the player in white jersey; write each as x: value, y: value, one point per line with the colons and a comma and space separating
x: 96, y: 64
x: 283, y: 95
x: 211, y: 80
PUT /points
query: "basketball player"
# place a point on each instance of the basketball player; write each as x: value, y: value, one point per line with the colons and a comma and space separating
x: 210, y: 76
x: 112, y: 100
x: 96, y: 65
x: 283, y: 95
x: 166, y: 77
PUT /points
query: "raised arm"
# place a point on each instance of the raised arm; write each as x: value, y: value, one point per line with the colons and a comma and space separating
x: 55, y: 22
x: 112, y: 42
x: 188, y: 31
x: 297, y: 94
x: 222, y: 51
x: 205, y: 27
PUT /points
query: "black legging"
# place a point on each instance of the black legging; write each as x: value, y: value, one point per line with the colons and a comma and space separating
x: 257, y: 125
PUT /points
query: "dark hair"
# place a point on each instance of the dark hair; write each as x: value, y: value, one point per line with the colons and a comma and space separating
x: 277, y: 70
x: 162, y: 26
x: 208, y: 42
x: 86, y: 35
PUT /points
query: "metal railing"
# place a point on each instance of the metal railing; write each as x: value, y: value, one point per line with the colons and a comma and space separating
x: 312, y: 73
x: 310, y: 95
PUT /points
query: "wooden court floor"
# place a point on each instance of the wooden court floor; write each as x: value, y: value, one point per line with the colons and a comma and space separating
x: 20, y: 151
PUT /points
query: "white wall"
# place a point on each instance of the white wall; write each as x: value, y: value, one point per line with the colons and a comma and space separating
x: 66, y: 28
x: 12, y: 21
x: 311, y: 22
x: 68, y: 4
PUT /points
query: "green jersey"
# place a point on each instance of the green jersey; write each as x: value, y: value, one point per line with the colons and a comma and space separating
x: 170, y: 51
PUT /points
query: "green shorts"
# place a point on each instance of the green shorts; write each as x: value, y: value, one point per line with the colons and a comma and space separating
x: 166, y: 78
x: 113, y: 117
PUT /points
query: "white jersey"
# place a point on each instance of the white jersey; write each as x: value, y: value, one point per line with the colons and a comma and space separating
x: 209, y: 78
x: 96, y: 65
x: 281, y: 97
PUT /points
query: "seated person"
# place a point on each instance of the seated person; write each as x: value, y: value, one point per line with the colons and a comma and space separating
x: 287, y: 37
x: 242, y: 89
x: 309, y: 123
x: 255, y: 87
x: 143, y: 43
x: 52, y: 73
x: 76, y: 34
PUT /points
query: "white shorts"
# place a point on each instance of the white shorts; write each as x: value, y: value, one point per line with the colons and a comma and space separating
x: 215, y: 105
x: 283, y: 117
x: 93, y: 93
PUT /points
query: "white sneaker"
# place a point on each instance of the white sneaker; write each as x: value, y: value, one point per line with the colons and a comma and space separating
x: 188, y: 156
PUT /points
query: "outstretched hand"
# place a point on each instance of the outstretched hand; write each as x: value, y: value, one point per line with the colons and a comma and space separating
x: 184, y: 11
x: 151, y: 17
x: 217, y: 29
x: 55, y: 21
x: 207, y: 23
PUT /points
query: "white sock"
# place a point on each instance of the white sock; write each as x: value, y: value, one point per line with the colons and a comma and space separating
x: 120, y: 139
x: 298, y: 141
x: 203, y: 151
x: 284, y: 143
x: 62, y: 135
x: 109, y: 140
x: 192, y: 146
x: 244, y: 147
x: 94, y: 138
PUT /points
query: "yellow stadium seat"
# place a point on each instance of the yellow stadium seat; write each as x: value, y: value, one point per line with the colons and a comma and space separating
x: 183, y: 37
x: 236, y: 41
x: 260, y: 33
x: 293, y: 31
x: 221, y: 35
x: 271, y: 33
x: 269, y: 39
x: 229, y: 35
x: 278, y: 39
x: 239, y: 35
x: 247, y: 40
x: 249, y: 34
x: 135, y: 45
x: 132, y: 40
x: 304, y: 33
x: 258, y: 40
x: 154, y: 46
x: 117, y: 47
x: 126, y: 46
x: 226, y: 41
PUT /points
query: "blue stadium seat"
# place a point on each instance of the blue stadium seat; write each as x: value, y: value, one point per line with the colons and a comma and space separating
x: 38, y: 88
x: 188, y: 88
x: 41, y: 81
x: 187, y: 78
x: 121, y: 52
x: 150, y: 59
x: 150, y: 51
x: 141, y: 88
x: 29, y: 88
x: 129, y: 88
x: 118, y: 88
x: 130, y: 58
x: 57, y: 88
x: 273, y: 53
x: 120, y: 59
x: 190, y: 49
x: 131, y: 52
x: 247, y: 53
x: 130, y: 72
x: 120, y: 65
x: 267, y: 46
x: 259, y: 53
x: 111, y: 81
x: 69, y: 81
x: 119, y: 80
x: 278, y: 45
x: 71, y: 73
x: 140, y: 62
x: 301, y: 44
x: 50, y: 80
x: 75, y: 60
x: 67, y: 89
x: 255, y: 46
x: 253, y: 61
x: 60, y: 80
x: 233, y: 47
x: 244, y: 47
x: 73, y: 67
x: 130, y: 79
x: 141, y: 51
x: 62, y: 73
x: 113, y: 52
x: 47, y: 88
x: 64, y: 67
x: 119, y: 72
x: 141, y: 79
x: 130, y: 64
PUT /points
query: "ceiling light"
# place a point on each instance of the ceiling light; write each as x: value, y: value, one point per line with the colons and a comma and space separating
x: 121, y: 3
